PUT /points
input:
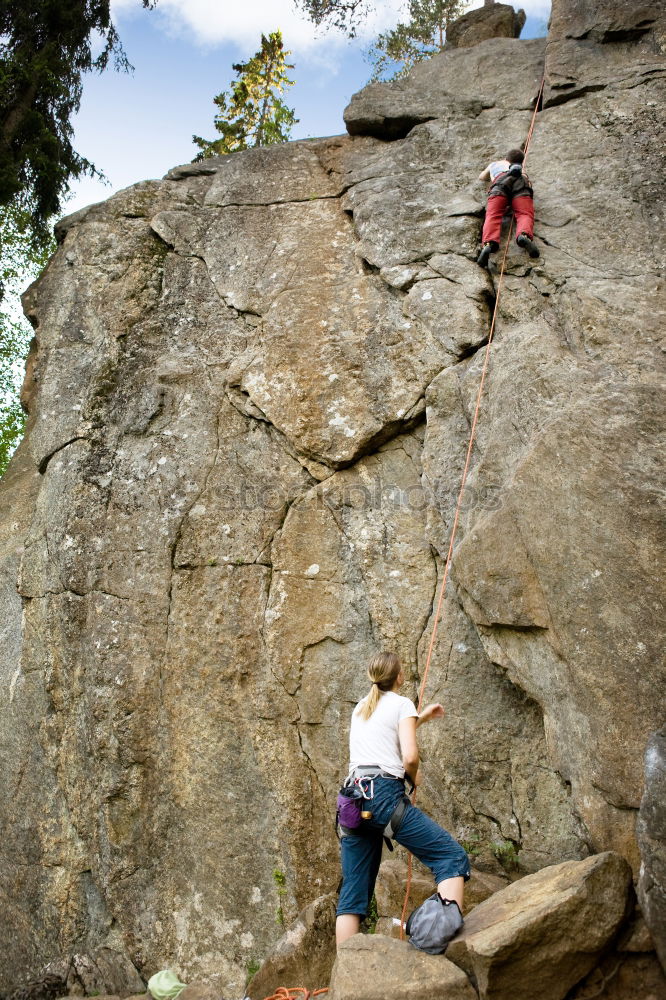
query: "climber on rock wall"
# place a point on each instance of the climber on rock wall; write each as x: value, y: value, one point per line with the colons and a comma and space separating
x: 383, y: 753
x: 508, y: 186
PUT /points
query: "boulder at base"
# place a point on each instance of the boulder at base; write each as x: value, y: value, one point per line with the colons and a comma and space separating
x: 198, y: 991
x: 114, y: 996
x: 102, y: 972
x: 541, y: 935
x: 304, y: 954
x: 374, y: 967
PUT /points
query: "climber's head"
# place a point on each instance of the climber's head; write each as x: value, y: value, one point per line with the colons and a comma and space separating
x: 383, y: 672
x: 515, y: 156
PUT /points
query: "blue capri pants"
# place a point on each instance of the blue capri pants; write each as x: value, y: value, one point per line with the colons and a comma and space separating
x: 361, y: 852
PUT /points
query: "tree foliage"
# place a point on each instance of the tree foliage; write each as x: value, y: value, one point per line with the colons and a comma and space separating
x: 343, y: 14
x: 423, y: 34
x: 253, y: 114
x: 45, y: 47
x: 24, y: 253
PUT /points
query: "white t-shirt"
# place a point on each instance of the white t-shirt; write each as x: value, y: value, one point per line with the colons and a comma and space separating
x: 498, y: 167
x: 375, y: 740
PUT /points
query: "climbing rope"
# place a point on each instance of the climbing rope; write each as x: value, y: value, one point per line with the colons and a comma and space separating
x: 300, y: 992
x: 295, y: 993
x: 463, y: 483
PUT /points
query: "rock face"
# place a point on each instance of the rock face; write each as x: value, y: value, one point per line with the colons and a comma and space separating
x: 597, y: 43
x: 651, y: 831
x: 541, y: 935
x: 250, y: 395
x: 497, y: 20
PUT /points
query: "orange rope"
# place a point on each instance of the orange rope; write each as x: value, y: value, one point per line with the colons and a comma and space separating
x: 295, y: 993
x: 461, y: 492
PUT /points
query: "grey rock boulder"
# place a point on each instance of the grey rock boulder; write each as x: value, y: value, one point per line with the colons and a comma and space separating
x: 541, y: 935
x: 453, y: 85
x: 373, y: 967
x: 496, y: 20
x: 103, y: 971
x: 606, y: 21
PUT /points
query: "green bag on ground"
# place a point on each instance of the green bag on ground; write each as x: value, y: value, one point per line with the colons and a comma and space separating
x: 165, y: 985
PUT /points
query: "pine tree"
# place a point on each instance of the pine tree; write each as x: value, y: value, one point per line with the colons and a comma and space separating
x: 253, y: 114
x: 24, y: 251
x: 421, y: 36
x: 45, y: 47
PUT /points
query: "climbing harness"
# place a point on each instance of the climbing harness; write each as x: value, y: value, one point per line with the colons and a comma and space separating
x: 463, y: 483
x: 359, y: 788
x: 512, y: 184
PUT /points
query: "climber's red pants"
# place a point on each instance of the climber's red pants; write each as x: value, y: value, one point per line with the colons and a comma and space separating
x: 523, y: 207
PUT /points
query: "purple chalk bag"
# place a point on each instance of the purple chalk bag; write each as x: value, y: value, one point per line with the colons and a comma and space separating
x: 349, y: 807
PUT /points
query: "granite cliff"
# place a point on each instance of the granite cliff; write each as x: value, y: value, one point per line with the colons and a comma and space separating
x: 249, y: 393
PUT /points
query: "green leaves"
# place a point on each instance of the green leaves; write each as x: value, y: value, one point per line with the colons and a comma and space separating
x: 253, y: 114
x: 23, y: 254
x: 45, y: 47
x: 12, y: 423
x: 343, y: 14
x: 397, y: 50
x: 418, y: 38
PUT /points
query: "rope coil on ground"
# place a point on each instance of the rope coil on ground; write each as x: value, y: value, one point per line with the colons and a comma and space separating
x: 463, y: 483
x: 295, y: 993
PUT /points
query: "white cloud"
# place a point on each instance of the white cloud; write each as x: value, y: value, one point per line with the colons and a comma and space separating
x: 215, y: 22
x: 240, y: 22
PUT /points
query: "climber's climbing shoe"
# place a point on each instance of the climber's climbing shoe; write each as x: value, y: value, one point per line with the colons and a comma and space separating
x: 484, y: 257
x: 526, y: 243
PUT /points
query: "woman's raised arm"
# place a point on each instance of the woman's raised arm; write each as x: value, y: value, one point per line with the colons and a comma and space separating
x: 409, y: 748
x: 434, y: 711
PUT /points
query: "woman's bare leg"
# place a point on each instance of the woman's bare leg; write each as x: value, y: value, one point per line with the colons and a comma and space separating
x: 348, y: 924
x: 452, y: 888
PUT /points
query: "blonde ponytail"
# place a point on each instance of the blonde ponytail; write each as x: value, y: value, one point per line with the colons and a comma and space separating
x: 383, y: 672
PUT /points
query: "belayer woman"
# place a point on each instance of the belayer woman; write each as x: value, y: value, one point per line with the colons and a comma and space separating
x: 383, y: 753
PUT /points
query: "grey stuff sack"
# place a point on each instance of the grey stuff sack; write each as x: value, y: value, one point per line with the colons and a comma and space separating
x: 432, y: 924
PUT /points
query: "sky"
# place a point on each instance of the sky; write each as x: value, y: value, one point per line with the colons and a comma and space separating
x: 137, y: 126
